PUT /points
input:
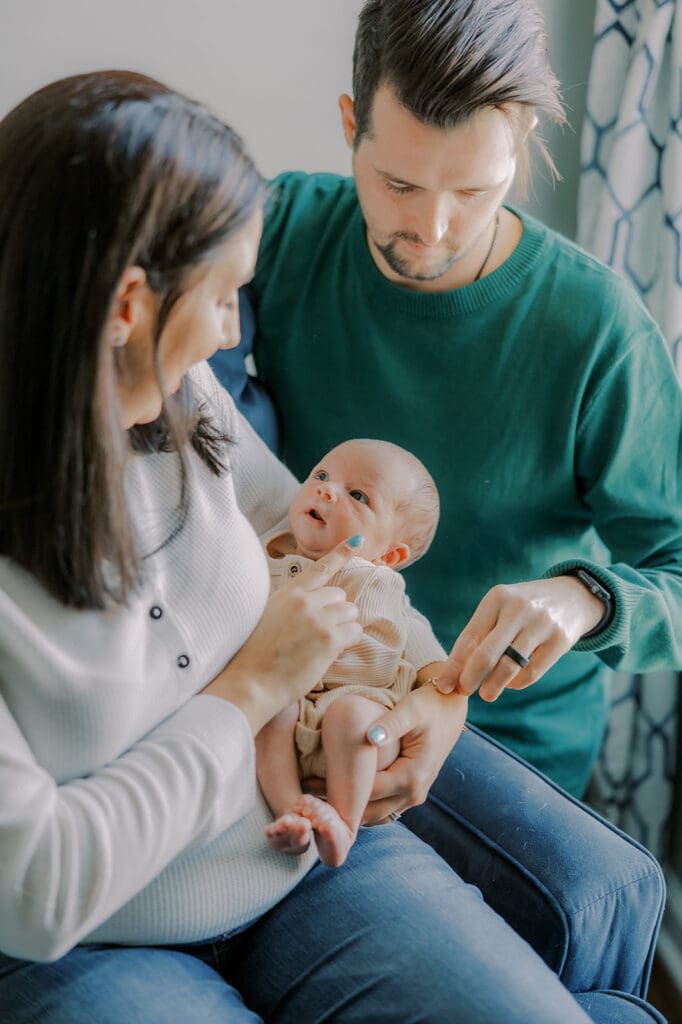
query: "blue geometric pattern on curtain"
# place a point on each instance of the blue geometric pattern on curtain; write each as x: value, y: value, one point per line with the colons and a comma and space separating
x: 630, y: 216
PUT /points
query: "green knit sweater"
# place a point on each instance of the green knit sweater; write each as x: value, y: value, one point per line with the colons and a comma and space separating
x: 543, y: 401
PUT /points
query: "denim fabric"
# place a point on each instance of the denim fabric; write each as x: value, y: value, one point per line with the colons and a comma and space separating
x: 587, y: 897
x: 104, y: 985
x: 395, y: 936
x: 612, y: 1007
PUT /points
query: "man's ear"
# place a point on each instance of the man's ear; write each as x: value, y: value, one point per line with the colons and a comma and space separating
x: 531, y: 122
x: 522, y: 120
x: 129, y: 305
x: 395, y: 556
x: 347, y: 108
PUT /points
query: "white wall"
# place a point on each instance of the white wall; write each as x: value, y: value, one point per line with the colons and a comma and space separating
x: 272, y: 68
x: 569, y: 34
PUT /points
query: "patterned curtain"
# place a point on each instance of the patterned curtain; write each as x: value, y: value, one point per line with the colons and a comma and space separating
x: 633, y: 784
x: 630, y: 216
x: 630, y: 197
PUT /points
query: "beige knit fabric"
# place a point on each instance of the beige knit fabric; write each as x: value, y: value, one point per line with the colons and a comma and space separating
x: 376, y: 668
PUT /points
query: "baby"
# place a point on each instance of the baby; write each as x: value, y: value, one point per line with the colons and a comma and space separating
x: 383, y: 493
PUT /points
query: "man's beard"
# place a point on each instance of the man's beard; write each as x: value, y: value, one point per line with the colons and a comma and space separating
x: 400, y: 265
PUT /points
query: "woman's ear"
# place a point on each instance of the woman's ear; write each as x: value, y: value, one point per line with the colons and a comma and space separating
x: 129, y: 306
x: 347, y: 109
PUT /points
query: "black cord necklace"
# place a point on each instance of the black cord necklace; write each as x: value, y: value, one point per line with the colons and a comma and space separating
x: 490, y: 250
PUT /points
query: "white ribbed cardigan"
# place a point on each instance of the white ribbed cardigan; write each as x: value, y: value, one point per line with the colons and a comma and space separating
x: 129, y: 810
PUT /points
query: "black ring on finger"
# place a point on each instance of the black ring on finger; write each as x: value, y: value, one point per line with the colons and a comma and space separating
x: 516, y: 656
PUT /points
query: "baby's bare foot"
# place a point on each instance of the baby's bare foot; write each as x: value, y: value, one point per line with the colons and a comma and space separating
x: 290, y: 833
x: 333, y: 837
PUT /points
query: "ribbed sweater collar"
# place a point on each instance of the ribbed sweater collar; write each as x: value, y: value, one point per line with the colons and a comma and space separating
x: 468, y: 299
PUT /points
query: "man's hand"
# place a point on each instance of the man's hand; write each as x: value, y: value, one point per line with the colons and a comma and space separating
x: 428, y: 725
x: 541, y: 619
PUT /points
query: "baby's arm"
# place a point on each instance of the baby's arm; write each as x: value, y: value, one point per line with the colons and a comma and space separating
x: 422, y: 649
x: 378, y: 661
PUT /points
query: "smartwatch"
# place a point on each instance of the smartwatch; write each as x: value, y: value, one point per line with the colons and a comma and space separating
x: 600, y: 591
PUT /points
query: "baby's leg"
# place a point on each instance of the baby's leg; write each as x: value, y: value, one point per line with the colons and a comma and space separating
x: 277, y: 769
x: 351, y: 769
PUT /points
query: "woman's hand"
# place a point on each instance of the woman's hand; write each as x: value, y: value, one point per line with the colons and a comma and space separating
x: 428, y: 726
x: 541, y: 619
x: 304, y: 628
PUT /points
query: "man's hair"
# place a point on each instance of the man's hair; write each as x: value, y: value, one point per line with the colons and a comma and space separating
x: 447, y: 59
x: 418, y: 507
x: 98, y: 172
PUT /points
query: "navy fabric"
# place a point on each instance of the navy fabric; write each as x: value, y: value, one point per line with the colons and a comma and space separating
x: 251, y: 395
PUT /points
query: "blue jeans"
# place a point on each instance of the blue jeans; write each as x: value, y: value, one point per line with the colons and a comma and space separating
x: 396, y: 936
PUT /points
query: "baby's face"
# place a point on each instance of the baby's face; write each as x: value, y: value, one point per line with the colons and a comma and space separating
x: 351, y: 491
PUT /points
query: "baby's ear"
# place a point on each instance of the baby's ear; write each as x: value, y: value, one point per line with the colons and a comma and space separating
x: 395, y: 556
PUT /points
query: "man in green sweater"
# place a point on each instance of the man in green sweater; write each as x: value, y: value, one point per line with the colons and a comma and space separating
x: 411, y: 304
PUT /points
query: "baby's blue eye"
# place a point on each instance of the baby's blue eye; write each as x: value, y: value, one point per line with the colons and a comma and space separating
x: 320, y: 475
x: 359, y: 496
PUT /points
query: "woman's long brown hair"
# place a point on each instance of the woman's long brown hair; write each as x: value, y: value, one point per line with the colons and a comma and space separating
x: 98, y: 172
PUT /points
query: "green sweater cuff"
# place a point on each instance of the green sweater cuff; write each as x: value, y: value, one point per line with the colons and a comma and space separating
x: 617, y: 632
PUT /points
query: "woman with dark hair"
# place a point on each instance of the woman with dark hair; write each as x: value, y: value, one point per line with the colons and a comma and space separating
x: 139, y: 651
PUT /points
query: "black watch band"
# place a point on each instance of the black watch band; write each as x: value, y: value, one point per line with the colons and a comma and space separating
x: 600, y: 591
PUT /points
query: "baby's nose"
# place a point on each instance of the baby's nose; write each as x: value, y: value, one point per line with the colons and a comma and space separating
x: 325, y: 493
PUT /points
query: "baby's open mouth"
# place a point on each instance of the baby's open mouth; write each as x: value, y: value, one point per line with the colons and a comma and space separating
x: 314, y: 514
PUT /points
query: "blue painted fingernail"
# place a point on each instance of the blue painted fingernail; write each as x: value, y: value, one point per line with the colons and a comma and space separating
x: 355, y: 541
x: 377, y: 735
